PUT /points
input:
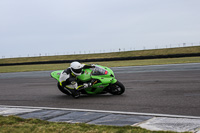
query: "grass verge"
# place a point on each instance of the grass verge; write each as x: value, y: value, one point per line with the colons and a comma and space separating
x: 45, y: 67
x: 14, y: 124
x: 154, y: 52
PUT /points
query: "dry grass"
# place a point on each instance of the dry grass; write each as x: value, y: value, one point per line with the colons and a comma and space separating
x: 44, y: 67
x: 13, y: 124
x: 184, y: 50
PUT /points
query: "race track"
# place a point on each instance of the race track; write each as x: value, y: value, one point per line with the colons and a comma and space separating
x: 163, y: 89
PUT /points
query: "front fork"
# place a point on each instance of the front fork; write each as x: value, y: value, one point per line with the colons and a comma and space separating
x: 108, y: 88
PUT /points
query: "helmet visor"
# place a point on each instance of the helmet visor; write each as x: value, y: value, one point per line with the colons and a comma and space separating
x: 78, y: 71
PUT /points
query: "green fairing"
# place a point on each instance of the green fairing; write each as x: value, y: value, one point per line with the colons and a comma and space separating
x: 56, y: 74
x: 85, y: 76
x: 88, y: 75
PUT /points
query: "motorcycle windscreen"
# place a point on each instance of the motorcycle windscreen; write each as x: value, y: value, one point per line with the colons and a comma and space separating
x: 99, y: 71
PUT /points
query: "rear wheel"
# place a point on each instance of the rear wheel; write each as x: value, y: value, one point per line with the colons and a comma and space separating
x: 117, y: 88
x: 73, y: 93
x: 76, y: 94
x: 63, y: 90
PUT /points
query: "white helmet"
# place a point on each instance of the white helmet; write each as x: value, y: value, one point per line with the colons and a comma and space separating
x: 76, y: 68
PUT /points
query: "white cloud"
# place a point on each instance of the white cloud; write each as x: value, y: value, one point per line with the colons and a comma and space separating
x: 66, y: 25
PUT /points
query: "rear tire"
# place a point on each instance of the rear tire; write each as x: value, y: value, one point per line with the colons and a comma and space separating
x: 117, y: 88
x: 63, y: 90
x: 76, y: 94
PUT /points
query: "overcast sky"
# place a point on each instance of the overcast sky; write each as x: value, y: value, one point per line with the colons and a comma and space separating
x: 33, y: 27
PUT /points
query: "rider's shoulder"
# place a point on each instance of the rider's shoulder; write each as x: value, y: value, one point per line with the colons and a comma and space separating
x: 68, y: 71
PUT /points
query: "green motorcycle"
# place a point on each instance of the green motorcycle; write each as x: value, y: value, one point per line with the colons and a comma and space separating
x: 102, y: 79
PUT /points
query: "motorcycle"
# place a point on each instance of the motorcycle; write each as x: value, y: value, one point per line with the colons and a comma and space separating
x: 102, y: 81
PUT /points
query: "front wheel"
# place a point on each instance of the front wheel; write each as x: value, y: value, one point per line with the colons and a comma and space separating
x: 117, y: 88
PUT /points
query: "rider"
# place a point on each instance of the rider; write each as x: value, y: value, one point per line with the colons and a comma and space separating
x: 68, y: 77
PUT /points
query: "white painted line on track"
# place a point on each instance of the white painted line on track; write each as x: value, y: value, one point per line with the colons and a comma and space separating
x: 105, y: 111
x: 171, y: 124
x: 5, y: 111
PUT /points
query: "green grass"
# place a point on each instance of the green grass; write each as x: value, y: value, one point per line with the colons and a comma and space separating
x: 183, y: 50
x: 14, y: 124
x: 44, y: 67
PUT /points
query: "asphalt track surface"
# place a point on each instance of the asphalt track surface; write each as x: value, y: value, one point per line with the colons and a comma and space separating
x: 162, y: 89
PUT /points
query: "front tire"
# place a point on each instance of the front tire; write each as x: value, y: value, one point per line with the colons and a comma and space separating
x: 117, y: 88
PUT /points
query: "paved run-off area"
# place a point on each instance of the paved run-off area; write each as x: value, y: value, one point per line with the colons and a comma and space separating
x: 154, y: 122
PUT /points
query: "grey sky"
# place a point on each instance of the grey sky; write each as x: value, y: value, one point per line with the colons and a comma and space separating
x: 31, y: 27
